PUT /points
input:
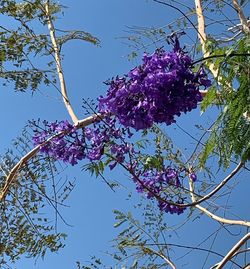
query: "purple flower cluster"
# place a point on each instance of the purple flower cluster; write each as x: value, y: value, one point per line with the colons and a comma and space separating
x: 158, y: 184
x: 157, y: 91
x: 156, y: 181
x: 64, y: 142
x: 161, y: 88
x: 68, y: 144
x: 105, y: 133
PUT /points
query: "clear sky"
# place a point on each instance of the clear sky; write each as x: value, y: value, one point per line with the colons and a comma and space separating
x: 86, y: 67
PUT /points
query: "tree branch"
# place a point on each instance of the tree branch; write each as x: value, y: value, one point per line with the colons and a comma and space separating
x: 220, y: 56
x: 161, y: 256
x: 233, y: 251
x: 203, y: 37
x: 14, y: 171
x: 59, y: 65
x: 213, y: 216
x: 193, y: 203
x: 243, y: 20
x: 183, y: 13
x: 218, y: 187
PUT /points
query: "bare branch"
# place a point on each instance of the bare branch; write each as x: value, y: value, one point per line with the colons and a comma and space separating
x: 203, y: 37
x: 233, y: 251
x: 201, y: 24
x: 219, y: 186
x: 243, y: 20
x: 59, y: 65
x: 212, y: 215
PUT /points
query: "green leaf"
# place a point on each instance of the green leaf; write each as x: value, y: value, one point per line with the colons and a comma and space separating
x: 209, y: 98
x: 119, y: 223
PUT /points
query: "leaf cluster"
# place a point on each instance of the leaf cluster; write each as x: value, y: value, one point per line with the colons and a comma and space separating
x: 25, y: 214
x: 20, y: 45
x: 137, y: 243
x: 231, y: 132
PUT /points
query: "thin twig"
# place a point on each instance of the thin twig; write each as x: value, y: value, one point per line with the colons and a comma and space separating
x: 161, y: 256
x: 192, y: 248
x: 183, y: 13
x: 59, y: 65
x: 220, y: 56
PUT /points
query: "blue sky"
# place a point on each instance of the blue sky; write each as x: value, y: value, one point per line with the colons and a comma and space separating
x: 86, y: 67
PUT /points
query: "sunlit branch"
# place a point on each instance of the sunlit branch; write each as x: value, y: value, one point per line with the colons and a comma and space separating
x: 241, y: 251
x: 212, y: 215
x: 243, y: 20
x: 219, y: 186
x: 203, y: 39
x: 202, y: 35
x: 235, y: 248
x: 59, y: 65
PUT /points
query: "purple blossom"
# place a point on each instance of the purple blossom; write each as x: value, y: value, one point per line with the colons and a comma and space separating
x: 68, y: 146
x: 193, y: 176
x: 107, y: 134
x: 172, y: 209
x: 71, y: 145
x: 160, y: 89
x: 157, y: 91
x: 157, y: 184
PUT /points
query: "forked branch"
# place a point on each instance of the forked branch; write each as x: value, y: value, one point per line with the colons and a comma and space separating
x: 212, y: 215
